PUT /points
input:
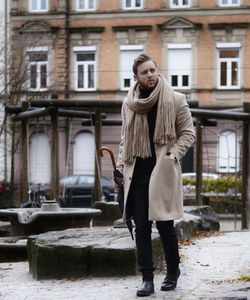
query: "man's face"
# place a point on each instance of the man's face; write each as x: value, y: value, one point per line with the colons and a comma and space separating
x: 147, y: 75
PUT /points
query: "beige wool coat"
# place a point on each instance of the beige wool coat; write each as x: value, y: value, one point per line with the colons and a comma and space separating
x: 165, y: 186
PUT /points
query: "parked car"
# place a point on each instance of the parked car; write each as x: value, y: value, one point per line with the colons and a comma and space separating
x: 204, y: 175
x: 4, y: 194
x: 75, y: 191
x: 78, y: 190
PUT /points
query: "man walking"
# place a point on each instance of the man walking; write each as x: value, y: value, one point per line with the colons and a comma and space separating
x: 156, y: 133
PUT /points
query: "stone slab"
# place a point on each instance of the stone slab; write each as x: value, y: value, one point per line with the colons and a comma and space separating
x: 28, y: 221
x: 75, y: 253
x: 110, y: 212
x: 209, y: 220
x: 13, y: 249
x: 101, y: 251
x: 196, y: 219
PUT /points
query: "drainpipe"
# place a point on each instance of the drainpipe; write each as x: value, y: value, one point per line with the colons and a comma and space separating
x: 67, y: 46
x: 67, y: 67
x: 5, y: 85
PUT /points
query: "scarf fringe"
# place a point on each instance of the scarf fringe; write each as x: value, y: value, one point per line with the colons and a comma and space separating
x: 137, y: 143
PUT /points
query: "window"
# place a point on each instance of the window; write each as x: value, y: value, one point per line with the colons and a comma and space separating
x: 180, y: 65
x: 132, y: 4
x: 228, y: 152
x: 228, y: 65
x: 84, y: 154
x: 39, y: 158
x: 128, y: 54
x: 180, y: 3
x: 229, y: 2
x: 38, y: 5
x: 38, y: 68
x: 85, y: 68
x: 86, y: 4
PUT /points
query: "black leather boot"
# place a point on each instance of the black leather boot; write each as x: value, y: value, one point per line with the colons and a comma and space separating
x: 170, y: 281
x: 146, y: 289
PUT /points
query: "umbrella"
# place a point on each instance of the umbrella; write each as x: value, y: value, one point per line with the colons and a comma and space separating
x: 118, y: 178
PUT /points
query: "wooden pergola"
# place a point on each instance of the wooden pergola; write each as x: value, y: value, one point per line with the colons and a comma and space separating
x: 94, y: 109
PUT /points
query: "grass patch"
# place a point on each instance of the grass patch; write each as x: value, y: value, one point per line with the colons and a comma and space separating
x: 245, y: 277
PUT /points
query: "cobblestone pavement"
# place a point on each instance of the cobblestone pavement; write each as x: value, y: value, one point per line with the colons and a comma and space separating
x: 211, y: 270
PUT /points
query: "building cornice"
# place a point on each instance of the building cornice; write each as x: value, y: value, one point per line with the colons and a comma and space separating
x: 179, y: 22
x: 216, y: 26
x: 144, y: 13
x: 86, y: 29
x: 134, y: 27
x: 38, y: 26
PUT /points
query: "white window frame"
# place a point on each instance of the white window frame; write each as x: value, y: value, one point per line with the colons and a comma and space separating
x: 229, y: 61
x: 230, y: 3
x: 39, y: 4
x: 228, y: 155
x: 138, y: 48
x: 86, y: 5
x: 133, y: 4
x: 183, y: 46
x: 179, y: 4
x: 38, y: 64
x: 84, y: 49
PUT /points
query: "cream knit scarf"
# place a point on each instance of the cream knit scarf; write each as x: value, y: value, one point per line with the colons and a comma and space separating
x: 137, y: 142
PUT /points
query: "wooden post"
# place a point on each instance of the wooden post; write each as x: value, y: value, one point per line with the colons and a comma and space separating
x: 54, y: 155
x: 12, y: 163
x: 245, y: 171
x: 24, y: 158
x: 98, y: 124
x: 198, y: 161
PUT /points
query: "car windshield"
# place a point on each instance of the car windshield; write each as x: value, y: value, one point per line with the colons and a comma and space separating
x: 106, y: 182
x: 68, y: 180
x: 87, y: 179
x: 84, y: 180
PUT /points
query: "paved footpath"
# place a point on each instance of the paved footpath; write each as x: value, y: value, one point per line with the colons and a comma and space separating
x: 211, y: 270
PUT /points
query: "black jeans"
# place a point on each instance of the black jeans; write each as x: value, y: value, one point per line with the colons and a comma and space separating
x: 138, y: 209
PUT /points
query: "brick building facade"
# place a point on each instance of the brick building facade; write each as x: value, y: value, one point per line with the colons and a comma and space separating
x: 83, y: 50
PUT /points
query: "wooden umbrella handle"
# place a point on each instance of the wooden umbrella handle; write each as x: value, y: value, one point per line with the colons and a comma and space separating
x: 110, y: 153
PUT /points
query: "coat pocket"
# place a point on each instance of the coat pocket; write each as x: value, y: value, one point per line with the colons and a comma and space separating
x: 165, y: 189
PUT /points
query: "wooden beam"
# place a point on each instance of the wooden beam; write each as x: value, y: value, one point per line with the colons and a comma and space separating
x: 199, y: 144
x: 245, y: 170
x: 245, y: 176
x: 26, y: 115
x: 24, y: 158
x: 97, y: 121
x: 54, y: 154
x: 91, y: 105
x: 223, y: 115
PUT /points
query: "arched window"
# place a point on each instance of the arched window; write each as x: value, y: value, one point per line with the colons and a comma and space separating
x: 39, y: 159
x: 84, y: 154
x: 228, y: 154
